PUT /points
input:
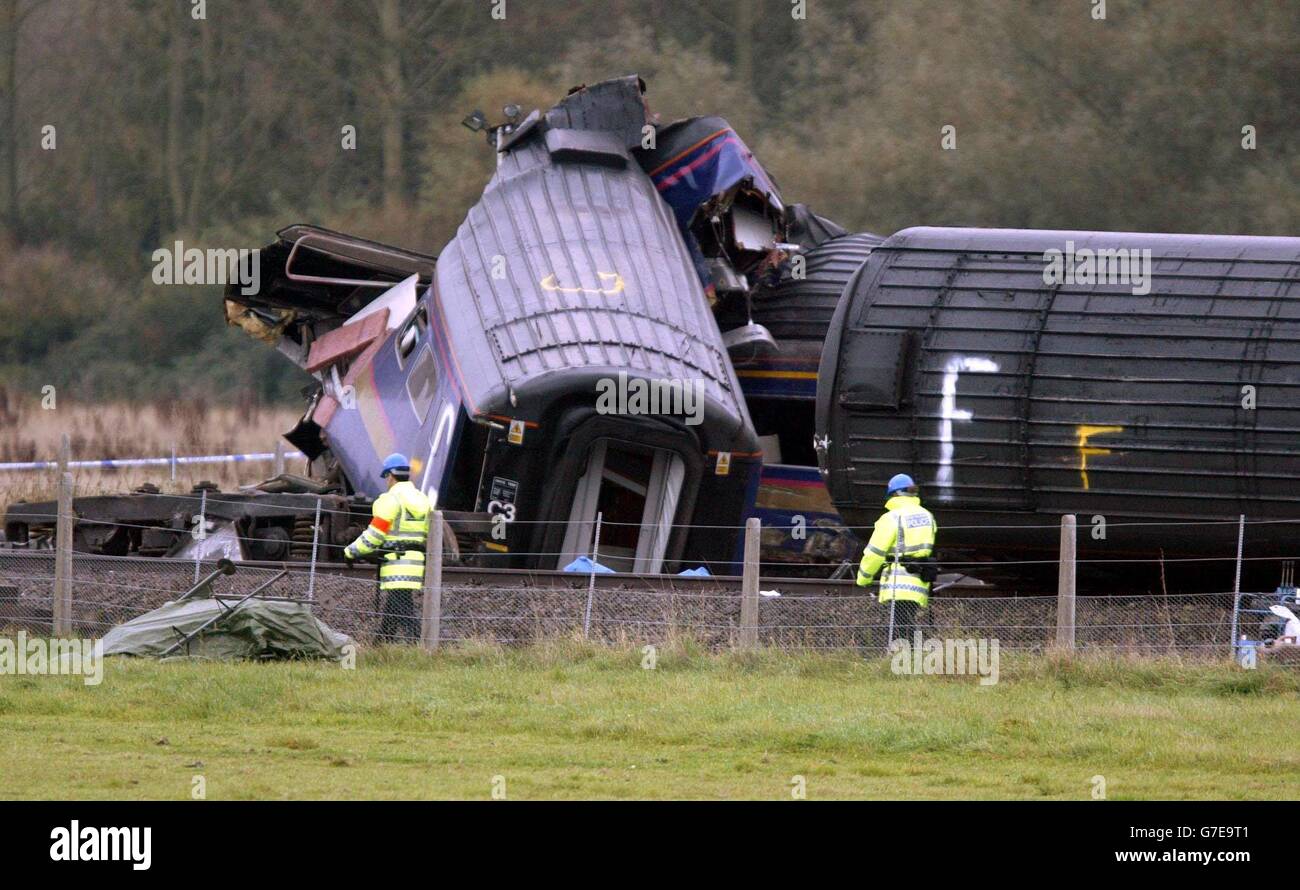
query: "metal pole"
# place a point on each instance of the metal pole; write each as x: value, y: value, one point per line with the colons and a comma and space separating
x: 591, y: 582
x: 226, y: 612
x: 315, y: 544
x: 1236, y: 624
x: 62, y: 605
x: 173, y: 462
x: 224, y: 567
x: 1065, y: 585
x: 1236, y: 585
x: 277, y: 468
x: 1241, y: 537
x: 749, y: 585
x: 202, y: 529
x: 431, y: 611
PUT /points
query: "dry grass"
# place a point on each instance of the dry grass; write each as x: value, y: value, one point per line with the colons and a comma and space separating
x: 30, y: 433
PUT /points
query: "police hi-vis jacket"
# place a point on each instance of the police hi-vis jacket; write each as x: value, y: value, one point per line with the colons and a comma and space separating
x: 886, y: 550
x: 399, y: 516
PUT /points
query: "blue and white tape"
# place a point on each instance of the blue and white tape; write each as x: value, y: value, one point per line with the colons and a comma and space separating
x: 119, y: 463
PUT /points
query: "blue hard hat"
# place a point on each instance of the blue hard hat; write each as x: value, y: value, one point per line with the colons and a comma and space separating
x: 395, y: 463
x: 900, y: 482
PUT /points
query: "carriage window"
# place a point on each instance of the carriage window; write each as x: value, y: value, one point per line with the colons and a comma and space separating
x: 422, y: 384
x: 409, y: 338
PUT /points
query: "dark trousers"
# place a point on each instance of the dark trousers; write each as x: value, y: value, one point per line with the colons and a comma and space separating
x: 904, y: 620
x: 399, y: 622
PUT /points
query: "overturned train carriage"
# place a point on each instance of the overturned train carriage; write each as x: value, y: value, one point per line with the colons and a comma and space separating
x: 1148, y: 383
x: 559, y: 363
x: 578, y: 335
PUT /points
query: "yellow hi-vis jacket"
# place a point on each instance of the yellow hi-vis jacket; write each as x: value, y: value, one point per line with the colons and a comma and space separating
x: 886, y: 550
x: 399, y: 516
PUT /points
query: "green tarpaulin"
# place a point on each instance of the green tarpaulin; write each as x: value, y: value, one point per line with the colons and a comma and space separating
x: 257, y: 629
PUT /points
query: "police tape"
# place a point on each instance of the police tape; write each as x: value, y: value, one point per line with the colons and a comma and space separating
x: 179, y: 461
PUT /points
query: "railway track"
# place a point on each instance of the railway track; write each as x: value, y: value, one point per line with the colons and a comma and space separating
x: 462, y: 576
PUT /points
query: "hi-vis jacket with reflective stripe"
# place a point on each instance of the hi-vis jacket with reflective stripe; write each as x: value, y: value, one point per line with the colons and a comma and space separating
x: 399, y: 516
x: 905, y: 514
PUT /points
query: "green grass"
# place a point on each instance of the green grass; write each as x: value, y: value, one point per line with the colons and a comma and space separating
x: 566, y: 720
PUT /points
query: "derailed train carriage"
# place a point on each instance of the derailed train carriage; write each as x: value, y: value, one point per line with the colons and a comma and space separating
x: 1020, y: 375
x: 511, y: 375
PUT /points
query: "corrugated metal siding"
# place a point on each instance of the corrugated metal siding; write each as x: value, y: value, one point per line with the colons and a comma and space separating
x: 573, y: 228
x: 1044, y: 363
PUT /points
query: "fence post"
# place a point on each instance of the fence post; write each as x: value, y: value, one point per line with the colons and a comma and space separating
x: 749, y: 586
x: 315, y: 545
x: 431, y: 608
x: 1065, y: 584
x: 65, y: 455
x: 173, y: 462
x: 1236, y: 588
x: 277, y: 467
x: 62, y: 605
x: 591, y: 582
x: 202, y: 531
x: 1241, y: 539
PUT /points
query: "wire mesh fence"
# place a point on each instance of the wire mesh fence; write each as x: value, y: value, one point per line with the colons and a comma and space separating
x: 512, y: 608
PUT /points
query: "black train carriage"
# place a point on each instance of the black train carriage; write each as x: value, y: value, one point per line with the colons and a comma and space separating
x: 567, y: 290
x: 1013, y: 396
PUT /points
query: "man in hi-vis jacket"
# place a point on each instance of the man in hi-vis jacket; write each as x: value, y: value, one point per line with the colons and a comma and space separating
x: 903, y: 535
x: 399, y: 528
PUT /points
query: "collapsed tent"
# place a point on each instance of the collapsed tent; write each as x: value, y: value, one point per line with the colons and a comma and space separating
x: 213, y: 629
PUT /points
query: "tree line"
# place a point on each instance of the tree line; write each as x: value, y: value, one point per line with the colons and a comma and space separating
x: 128, y: 124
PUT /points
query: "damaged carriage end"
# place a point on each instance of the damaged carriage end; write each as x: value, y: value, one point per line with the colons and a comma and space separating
x: 313, y: 283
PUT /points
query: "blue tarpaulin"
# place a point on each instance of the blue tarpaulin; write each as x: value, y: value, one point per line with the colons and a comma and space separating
x: 584, y: 565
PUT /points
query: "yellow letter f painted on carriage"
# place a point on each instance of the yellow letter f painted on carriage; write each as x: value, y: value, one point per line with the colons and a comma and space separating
x: 1085, y: 433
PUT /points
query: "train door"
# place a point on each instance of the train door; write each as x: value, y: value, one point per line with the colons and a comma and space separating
x: 635, y: 490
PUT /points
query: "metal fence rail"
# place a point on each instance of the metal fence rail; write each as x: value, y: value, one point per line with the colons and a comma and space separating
x: 514, y: 608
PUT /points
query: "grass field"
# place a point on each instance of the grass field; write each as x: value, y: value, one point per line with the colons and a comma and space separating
x: 563, y: 720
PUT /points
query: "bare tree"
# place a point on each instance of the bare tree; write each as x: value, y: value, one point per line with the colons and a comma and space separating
x: 9, y: 68
x: 392, y: 99
x: 12, y: 15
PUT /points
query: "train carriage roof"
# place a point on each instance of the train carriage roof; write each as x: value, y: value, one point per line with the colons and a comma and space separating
x: 571, y: 260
